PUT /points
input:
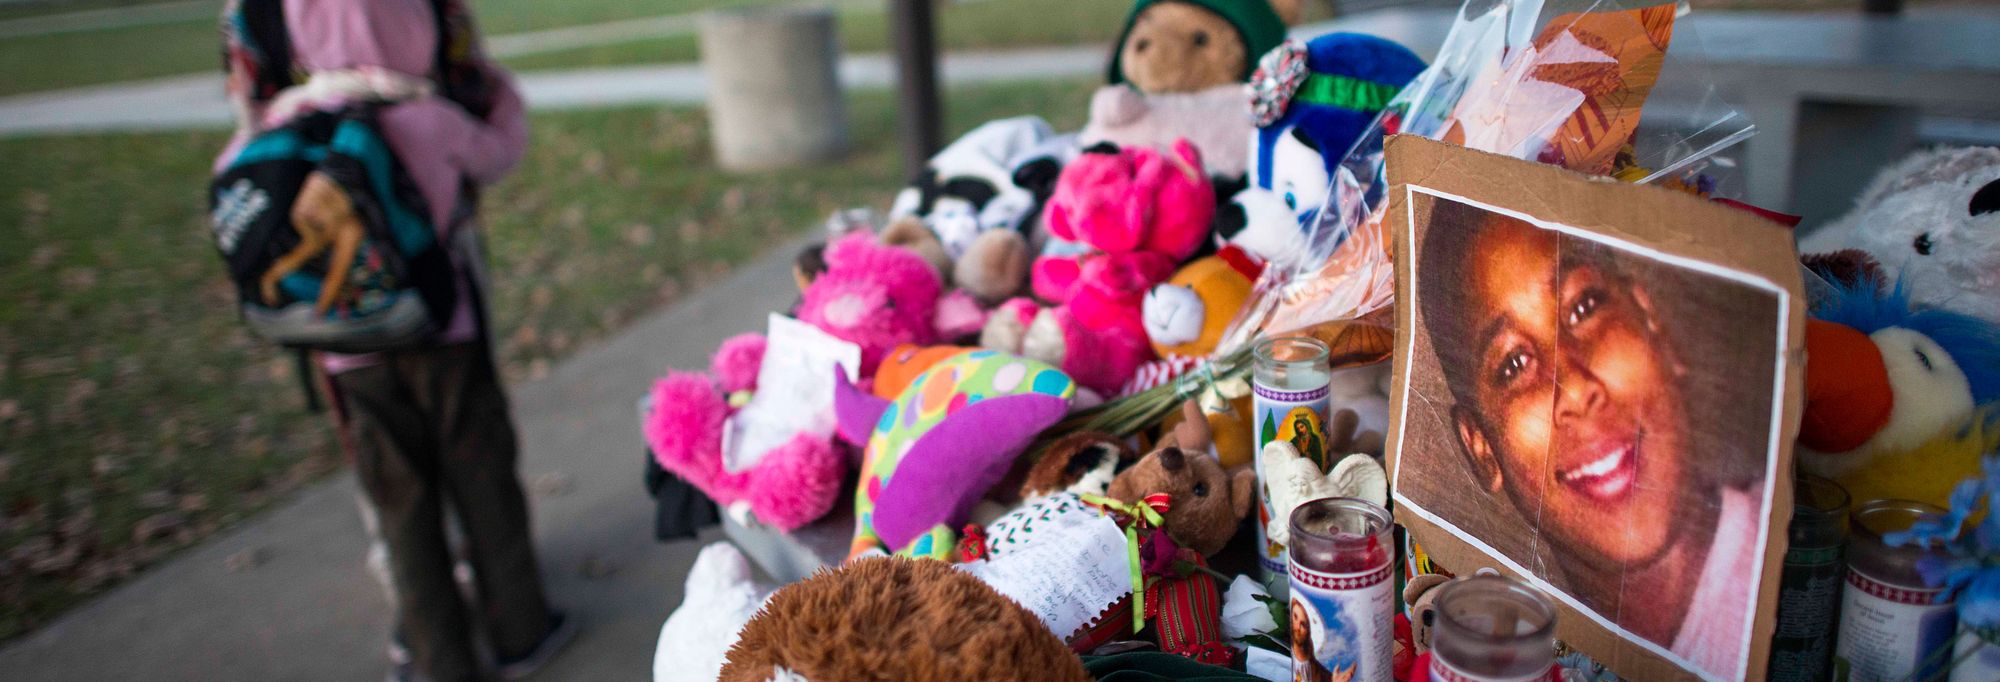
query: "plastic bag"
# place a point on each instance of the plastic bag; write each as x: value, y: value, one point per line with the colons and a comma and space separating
x: 1564, y: 82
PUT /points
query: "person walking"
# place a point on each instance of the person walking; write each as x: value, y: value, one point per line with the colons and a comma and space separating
x: 428, y: 426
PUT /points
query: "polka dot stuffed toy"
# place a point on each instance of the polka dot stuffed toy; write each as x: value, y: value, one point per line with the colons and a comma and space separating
x: 941, y: 444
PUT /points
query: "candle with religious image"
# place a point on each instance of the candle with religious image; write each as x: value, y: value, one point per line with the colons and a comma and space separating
x: 1288, y: 388
x: 1342, y: 601
x: 1489, y: 628
x: 1890, y: 621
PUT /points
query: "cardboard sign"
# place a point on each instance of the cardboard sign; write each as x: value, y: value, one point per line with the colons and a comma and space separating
x: 1596, y: 391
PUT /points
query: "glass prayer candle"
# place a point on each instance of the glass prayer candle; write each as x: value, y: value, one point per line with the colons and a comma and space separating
x: 1341, y: 599
x: 1890, y: 622
x: 1289, y: 391
x: 1809, y: 589
x: 1492, y: 629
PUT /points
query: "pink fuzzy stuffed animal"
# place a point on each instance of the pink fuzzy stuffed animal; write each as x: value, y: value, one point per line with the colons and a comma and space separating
x: 875, y: 295
x: 1141, y: 212
x: 791, y: 486
x: 870, y: 294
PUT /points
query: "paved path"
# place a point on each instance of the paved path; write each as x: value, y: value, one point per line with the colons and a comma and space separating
x: 195, y: 101
x: 310, y: 610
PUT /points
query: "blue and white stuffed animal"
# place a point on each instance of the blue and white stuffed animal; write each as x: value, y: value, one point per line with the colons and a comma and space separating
x: 1310, y: 102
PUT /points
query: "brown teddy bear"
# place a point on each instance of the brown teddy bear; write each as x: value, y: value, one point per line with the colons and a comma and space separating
x: 896, y: 618
x: 1194, y: 45
x: 1208, y: 501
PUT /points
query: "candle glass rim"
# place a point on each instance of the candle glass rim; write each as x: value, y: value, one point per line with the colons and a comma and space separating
x: 1877, y: 509
x: 1263, y: 351
x: 1531, y: 599
x: 1375, y: 514
x: 1822, y: 485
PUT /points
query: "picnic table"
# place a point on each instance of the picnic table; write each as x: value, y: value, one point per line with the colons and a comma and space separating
x: 1834, y: 95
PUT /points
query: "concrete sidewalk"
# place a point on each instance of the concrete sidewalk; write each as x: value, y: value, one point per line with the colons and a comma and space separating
x: 196, y: 101
x: 310, y: 610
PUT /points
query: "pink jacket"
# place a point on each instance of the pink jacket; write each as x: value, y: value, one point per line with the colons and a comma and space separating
x: 439, y: 144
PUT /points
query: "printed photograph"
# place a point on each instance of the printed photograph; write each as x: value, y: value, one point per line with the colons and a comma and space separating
x: 1599, y: 416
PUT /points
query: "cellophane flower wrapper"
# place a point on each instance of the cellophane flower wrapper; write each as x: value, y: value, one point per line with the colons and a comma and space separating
x: 1564, y: 82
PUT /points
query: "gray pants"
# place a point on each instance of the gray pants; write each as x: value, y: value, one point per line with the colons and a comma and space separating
x: 430, y: 428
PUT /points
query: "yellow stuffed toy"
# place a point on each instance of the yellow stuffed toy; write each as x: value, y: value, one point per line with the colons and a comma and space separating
x: 1187, y: 314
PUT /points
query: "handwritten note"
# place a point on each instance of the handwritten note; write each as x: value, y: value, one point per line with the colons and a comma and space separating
x: 794, y: 391
x: 1073, y: 568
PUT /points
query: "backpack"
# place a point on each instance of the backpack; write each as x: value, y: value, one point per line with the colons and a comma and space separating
x: 396, y: 286
x: 399, y: 284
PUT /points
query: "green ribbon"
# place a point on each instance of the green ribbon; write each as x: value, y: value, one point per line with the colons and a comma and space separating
x: 1142, y: 514
x: 1346, y: 92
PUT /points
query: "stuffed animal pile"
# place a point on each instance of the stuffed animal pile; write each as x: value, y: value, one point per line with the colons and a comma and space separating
x: 1023, y: 274
x: 1903, y: 377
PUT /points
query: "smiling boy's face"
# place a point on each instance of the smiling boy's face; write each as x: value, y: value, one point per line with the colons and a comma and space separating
x: 1574, y: 407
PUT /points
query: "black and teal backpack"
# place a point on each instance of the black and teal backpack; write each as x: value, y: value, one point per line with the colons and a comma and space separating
x: 401, y: 288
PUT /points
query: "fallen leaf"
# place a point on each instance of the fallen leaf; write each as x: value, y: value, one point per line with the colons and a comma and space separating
x: 245, y: 559
x: 639, y: 234
x: 550, y: 484
x: 593, y: 568
x: 62, y: 559
x: 156, y: 525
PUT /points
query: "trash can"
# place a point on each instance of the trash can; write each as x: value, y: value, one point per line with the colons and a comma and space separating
x: 774, y: 96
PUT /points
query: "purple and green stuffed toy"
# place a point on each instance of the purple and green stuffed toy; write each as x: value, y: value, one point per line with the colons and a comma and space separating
x: 1311, y: 101
x: 936, y: 449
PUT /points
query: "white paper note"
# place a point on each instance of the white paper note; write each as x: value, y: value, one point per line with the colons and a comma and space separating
x: 794, y: 391
x: 1074, y: 569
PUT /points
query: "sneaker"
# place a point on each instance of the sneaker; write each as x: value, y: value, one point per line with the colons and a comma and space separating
x: 560, y: 633
x: 402, y: 666
x: 399, y: 651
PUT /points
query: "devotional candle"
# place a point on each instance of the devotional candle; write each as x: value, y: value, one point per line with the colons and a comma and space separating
x: 1492, y: 629
x: 1890, y: 621
x: 1289, y: 392
x: 1341, y: 602
x: 1809, y: 589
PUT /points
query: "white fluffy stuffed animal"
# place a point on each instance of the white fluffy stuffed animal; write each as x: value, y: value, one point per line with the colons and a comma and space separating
x: 1933, y: 220
x: 720, y: 597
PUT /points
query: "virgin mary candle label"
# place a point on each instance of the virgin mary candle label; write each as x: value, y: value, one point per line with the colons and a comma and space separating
x: 1289, y: 390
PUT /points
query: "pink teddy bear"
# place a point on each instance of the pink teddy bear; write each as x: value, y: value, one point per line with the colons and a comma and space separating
x: 873, y: 295
x: 1141, y: 212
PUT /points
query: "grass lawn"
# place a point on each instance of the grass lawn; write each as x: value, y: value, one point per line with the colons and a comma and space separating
x: 171, y: 46
x: 976, y: 24
x: 46, y: 62
x: 136, y: 415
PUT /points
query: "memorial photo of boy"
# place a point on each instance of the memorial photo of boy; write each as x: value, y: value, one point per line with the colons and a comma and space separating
x: 1598, y: 416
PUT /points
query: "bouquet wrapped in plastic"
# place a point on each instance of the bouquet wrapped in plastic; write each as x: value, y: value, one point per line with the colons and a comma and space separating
x: 1561, y: 82
x: 1564, y: 82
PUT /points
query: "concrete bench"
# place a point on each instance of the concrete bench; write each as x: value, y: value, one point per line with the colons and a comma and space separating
x: 1833, y: 95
